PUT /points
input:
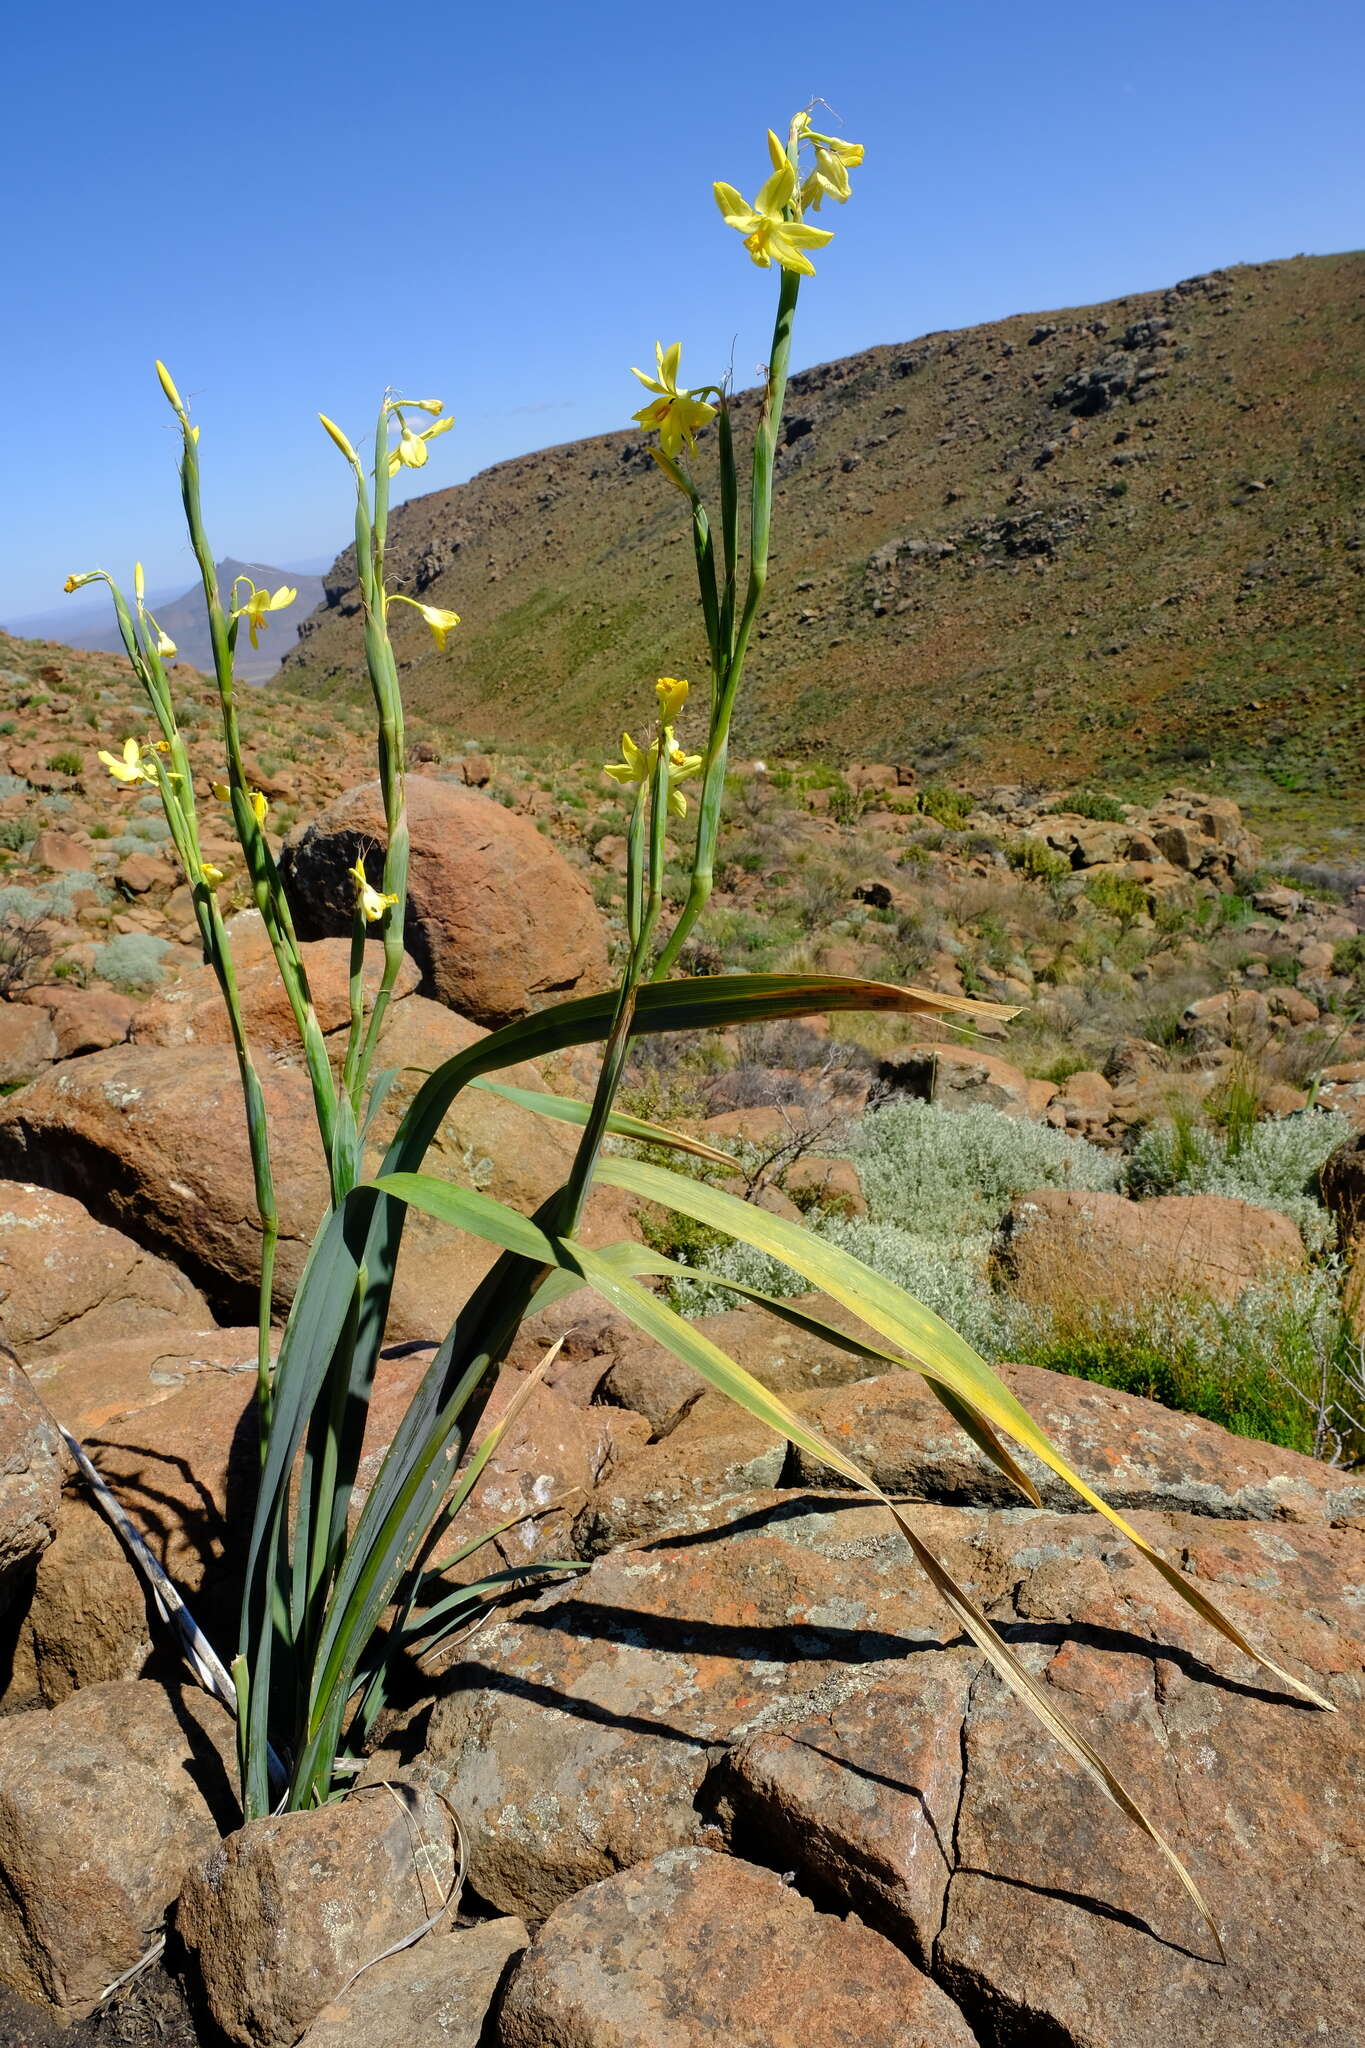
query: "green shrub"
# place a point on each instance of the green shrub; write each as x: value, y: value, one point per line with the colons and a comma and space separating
x: 1275, y: 1165
x: 1029, y: 856
x: 943, y: 1173
x: 1091, y: 803
x: 131, y: 961
x: 66, y: 762
x: 17, y: 833
x: 1276, y: 1363
x: 1118, y: 897
x: 948, y: 807
x: 13, y: 785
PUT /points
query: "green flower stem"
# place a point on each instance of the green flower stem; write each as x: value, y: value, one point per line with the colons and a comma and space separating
x: 176, y: 788
x: 729, y: 525
x: 712, y: 797
x: 371, y: 534
x: 266, y: 885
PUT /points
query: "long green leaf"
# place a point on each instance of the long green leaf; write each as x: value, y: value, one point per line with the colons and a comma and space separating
x: 367, y: 1232
x: 965, y: 1416
x: 937, y: 1350
x: 365, y: 1235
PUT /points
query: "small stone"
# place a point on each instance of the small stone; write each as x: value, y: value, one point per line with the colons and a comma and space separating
x: 695, y: 1949
x: 281, y: 1915
x: 438, y: 1991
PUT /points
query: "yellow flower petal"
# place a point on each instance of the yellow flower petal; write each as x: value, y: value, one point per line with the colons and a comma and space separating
x: 672, y: 694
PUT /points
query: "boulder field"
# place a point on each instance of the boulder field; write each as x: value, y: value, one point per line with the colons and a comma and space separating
x: 734, y: 1775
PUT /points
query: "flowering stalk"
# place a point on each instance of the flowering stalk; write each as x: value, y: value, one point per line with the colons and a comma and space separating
x: 166, y: 766
x: 247, y: 812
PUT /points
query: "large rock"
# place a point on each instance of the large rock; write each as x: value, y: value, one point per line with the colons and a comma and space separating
x: 497, y: 919
x: 68, y: 1281
x: 778, y: 1675
x: 1260, y: 1797
x: 92, y: 1385
x: 644, y: 1377
x: 694, y: 1949
x: 153, y: 1137
x: 281, y: 1915
x: 1134, y: 1452
x: 28, y: 1042
x: 961, y: 1077
x: 1069, y: 1248
x: 182, y: 1465
x: 715, y: 1451
x: 104, y: 1804
x: 438, y: 1992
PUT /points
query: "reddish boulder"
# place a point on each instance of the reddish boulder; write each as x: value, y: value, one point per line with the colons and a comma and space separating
x: 1134, y: 1452
x: 30, y: 1474
x: 67, y: 1281
x: 191, y: 1012
x: 960, y: 1077
x: 1066, y: 1246
x: 497, y: 919
x: 28, y: 1042
x: 439, y: 1991
x: 694, y: 1949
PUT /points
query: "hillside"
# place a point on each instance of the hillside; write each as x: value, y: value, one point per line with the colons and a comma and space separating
x: 1117, y: 542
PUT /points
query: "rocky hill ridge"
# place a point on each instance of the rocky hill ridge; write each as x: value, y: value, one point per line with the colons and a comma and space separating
x: 1121, y: 540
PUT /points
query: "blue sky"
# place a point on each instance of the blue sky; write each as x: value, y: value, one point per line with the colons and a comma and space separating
x: 505, y: 206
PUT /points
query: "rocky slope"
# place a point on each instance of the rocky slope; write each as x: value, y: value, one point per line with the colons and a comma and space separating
x: 1110, y: 540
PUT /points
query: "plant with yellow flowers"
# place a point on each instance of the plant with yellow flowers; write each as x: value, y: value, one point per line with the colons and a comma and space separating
x: 332, y: 1600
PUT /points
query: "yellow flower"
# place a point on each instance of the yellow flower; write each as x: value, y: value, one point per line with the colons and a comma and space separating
x: 671, y: 692
x: 259, y: 605
x: 768, y: 234
x: 370, y: 902
x: 675, y: 413
x: 411, y: 451
x: 130, y: 766
x: 165, y: 646
x: 341, y: 441
x: 221, y: 791
x: 259, y: 806
x: 210, y: 874
x: 637, y: 765
x: 79, y: 582
x: 167, y: 384
x: 440, y: 621
x: 834, y: 159
x: 680, y: 767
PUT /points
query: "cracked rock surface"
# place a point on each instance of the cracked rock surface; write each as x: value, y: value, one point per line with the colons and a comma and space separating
x: 772, y: 1678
